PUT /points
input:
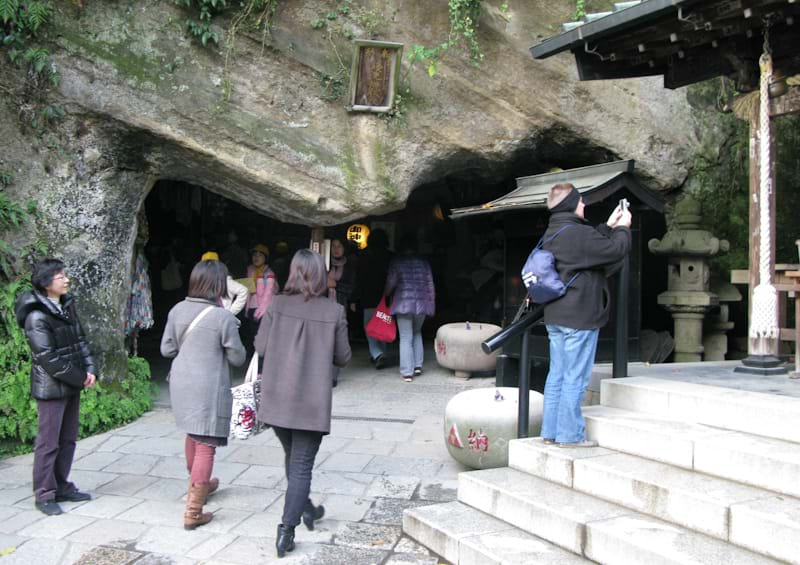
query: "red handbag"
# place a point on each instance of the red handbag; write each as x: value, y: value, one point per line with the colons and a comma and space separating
x: 382, y: 326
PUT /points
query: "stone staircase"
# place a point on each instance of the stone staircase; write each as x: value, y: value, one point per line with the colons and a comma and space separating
x: 685, y: 473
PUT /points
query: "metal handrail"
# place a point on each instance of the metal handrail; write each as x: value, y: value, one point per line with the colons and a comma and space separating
x: 523, y: 326
x: 511, y: 331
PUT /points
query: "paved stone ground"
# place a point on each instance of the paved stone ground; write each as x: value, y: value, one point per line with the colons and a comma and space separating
x: 385, y: 453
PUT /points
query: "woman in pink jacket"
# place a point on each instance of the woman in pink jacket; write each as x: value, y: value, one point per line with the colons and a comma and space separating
x: 266, y: 286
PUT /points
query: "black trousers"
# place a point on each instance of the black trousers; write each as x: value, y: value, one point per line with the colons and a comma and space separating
x: 300, y: 448
x: 55, y: 446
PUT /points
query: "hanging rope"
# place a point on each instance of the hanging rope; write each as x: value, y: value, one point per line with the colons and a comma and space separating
x: 763, y: 316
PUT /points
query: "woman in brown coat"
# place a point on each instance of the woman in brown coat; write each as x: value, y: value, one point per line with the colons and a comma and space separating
x: 301, y: 337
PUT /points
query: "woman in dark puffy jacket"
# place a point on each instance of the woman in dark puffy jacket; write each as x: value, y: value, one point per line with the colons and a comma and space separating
x: 410, y: 286
x: 61, y: 366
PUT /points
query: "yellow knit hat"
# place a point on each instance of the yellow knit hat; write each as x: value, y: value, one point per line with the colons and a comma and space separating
x: 210, y: 256
x: 261, y: 248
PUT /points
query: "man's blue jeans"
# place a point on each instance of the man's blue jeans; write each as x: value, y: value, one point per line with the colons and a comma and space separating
x: 571, y: 359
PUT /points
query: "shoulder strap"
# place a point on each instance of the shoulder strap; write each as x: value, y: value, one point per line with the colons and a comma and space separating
x: 194, y: 323
x: 551, y: 238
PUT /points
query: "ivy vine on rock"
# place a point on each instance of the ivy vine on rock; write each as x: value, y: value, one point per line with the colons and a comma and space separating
x: 464, y: 18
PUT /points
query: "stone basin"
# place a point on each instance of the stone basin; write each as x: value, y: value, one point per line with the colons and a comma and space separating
x: 479, y: 423
x: 458, y: 347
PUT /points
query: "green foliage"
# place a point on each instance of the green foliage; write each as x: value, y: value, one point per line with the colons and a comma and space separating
x: 11, y: 217
x: 398, y: 114
x: 720, y: 178
x: 204, y: 11
x: 6, y: 178
x: 200, y: 25
x: 464, y: 17
x: 17, y: 408
x: 107, y: 406
x: 580, y: 9
x: 333, y: 86
x: 428, y: 56
x: 21, y: 24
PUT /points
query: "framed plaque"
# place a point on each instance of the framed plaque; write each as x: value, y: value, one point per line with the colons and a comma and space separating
x: 373, y: 78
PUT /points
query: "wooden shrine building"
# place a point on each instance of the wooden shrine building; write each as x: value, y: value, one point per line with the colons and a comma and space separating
x: 756, y: 43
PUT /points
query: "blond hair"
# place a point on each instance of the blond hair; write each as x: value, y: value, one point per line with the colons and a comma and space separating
x: 558, y: 193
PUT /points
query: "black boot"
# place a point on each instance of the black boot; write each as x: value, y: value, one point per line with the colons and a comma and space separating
x: 285, y: 539
x: 312, y: 513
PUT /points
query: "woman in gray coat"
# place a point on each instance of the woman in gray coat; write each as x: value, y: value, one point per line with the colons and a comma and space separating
x: 301, y: 337
x: 204, y: 340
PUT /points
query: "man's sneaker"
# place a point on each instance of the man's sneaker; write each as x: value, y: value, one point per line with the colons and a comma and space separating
x: 74, y: 496
x: 408, y: 378
x: 380, y: 362
x: 548, y: 441
x: 584, y: 443
x: 49, y: 507
x: 417, y: 371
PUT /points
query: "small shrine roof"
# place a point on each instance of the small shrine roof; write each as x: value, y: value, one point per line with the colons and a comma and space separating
x: 595, y: 183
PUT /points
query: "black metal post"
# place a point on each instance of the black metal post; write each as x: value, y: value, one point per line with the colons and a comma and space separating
x: 620, y: 359
x: 524, y: 386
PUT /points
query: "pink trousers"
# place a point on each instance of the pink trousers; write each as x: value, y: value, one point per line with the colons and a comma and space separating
x: 199, y: 460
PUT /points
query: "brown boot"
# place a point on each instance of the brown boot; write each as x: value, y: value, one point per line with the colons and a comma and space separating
x: 213, y: 485
x: 194, y: 515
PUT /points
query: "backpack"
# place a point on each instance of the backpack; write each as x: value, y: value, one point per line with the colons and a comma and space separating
x: 540, y: 276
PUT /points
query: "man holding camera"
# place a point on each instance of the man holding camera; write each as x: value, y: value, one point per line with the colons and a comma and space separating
x: 574, y: 321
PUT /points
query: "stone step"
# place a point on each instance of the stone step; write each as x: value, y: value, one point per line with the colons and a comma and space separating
x: 759, y: 461
x: 744, y: 515
x: 769, y: 415
x: 466, y: 536
x: 587, y: 526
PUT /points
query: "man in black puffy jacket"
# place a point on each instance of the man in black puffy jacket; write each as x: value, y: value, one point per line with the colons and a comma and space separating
x: 61, y: 367
x: 574, y: 321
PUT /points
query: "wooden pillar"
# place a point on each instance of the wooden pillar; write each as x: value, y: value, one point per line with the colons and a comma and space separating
x: 317, y: 237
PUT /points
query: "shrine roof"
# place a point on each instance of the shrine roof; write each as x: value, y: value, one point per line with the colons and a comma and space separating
x: 595, y: 183
x: 686, y: 41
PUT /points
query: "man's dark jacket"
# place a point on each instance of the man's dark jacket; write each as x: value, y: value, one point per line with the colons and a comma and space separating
x: 593, y: 252
x: 59, y: 352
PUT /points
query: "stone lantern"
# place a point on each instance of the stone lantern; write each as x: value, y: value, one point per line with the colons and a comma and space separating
x: 718, y: 322
x: 688, y: 297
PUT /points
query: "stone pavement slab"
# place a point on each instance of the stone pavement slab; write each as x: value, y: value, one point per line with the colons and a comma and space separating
x: 260, y: 476
x: 106, y: 506
x: 393, y: 486
x: 133, y: 463
x: 384, y: 454
x: 95, y: 461
x: 112, y: 533
x: 125, y: 485
x: 346, y: 462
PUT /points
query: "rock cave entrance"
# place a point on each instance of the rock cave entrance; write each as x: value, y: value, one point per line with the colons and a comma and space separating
x: 471, y: 258
x: 178, y: 222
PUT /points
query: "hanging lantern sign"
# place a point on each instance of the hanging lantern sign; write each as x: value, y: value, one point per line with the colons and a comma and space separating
x: 358, y: 233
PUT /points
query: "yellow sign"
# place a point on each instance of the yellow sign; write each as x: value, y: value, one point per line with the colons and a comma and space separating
x: 359, y: 233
